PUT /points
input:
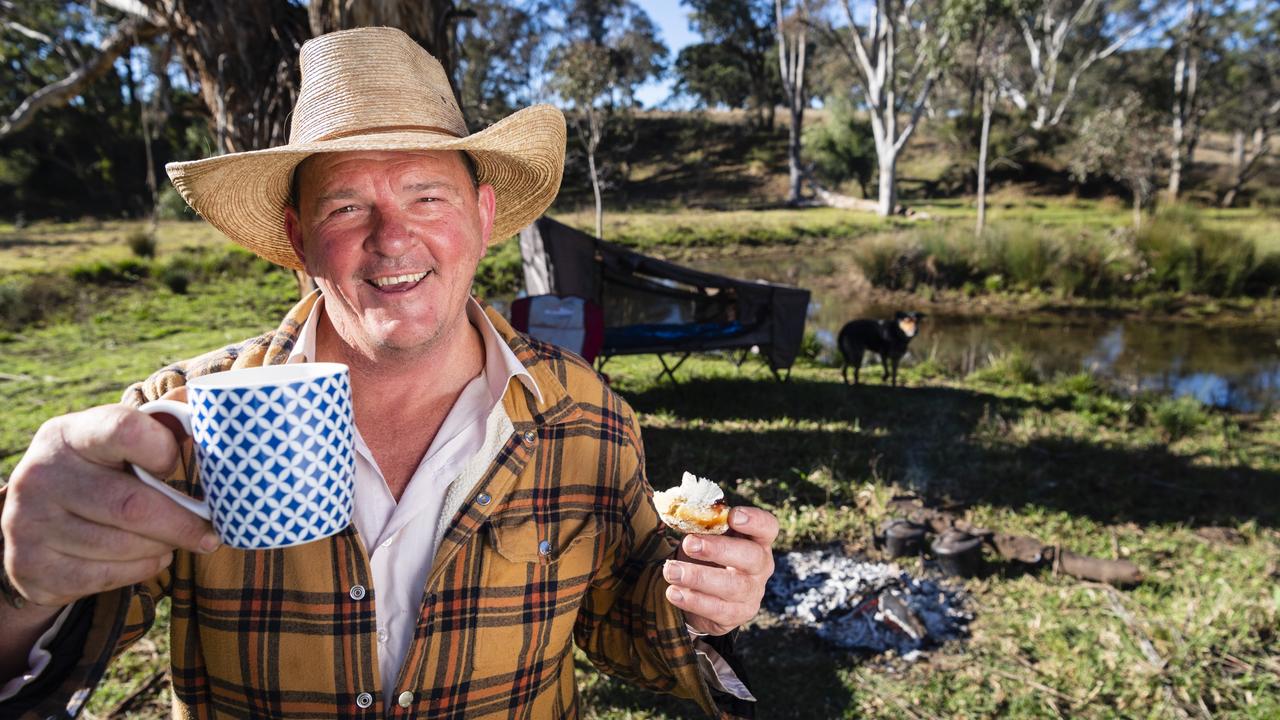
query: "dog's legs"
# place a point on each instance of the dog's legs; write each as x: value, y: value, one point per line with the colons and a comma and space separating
x: 894, y: 362
x: 884, y: 363
x: 844, y: 371
x: 857, y: 365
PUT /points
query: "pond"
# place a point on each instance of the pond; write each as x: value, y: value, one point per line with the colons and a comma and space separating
x: 1228, y: 367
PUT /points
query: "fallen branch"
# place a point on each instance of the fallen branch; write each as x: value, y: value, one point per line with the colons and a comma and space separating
x: 57, y: 94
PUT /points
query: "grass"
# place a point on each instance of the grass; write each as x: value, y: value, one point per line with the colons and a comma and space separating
x: 1189, y: 494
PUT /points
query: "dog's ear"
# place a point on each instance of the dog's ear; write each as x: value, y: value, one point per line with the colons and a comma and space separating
x: 900, y: 315
x: 920, y: 315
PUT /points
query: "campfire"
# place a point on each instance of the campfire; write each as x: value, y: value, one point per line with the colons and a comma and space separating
x: 859, y: 605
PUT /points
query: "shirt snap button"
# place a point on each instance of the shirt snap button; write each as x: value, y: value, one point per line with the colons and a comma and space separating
x: 382, y: 635
x: 544, y: 548
x: 529, y: 437
x: 357, y: 592
x: 364, y: 700
x: 483, y: 498
x: 405, y: 699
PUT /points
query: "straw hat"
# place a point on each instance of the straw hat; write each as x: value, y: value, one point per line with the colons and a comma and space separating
x: 374, y: 89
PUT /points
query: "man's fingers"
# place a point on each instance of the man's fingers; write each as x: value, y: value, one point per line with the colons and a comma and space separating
x: 721, y: 615
x: 120, y: 500
x: 80, y: 579
x: 721, y: 582
x: 754, y: 523
x: 111, y: 435
x: 744, y: 554
x: 89, y: 540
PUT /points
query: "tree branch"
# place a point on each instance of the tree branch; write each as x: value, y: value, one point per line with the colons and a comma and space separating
x: 58, y: 93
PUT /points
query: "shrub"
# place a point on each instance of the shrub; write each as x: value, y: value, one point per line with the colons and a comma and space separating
x: 1014, y: 367
x: 1177, y: 418
x: 142, y: 244
x: 30, y: 300
x: 177, y: 279
x: 1187, y: 257
x: 107, y: 273
x: 889, y: 261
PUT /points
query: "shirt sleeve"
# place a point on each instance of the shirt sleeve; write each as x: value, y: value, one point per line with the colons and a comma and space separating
x: 38, y: 659
x: 626, y: 626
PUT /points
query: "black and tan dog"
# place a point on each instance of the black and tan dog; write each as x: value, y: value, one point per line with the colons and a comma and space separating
x: 886, y: 338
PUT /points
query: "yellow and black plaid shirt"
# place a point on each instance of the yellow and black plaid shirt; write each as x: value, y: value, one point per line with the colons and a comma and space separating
x: 291, y: 632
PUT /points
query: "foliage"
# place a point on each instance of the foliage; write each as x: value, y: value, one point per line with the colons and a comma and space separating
x: 735, y: 65
x: 1178, y: 417
x: 1186, y: 256
x: 141, y: 243
x: 841, y: 148
x: 1121, y: 142
x: 501, y: 48
x: 1011, y: 368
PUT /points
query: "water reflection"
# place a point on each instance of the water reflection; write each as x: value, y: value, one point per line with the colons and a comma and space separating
x: 1235, y: 367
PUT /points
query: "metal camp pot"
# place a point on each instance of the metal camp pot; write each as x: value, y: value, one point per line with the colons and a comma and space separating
x: 959, y: 553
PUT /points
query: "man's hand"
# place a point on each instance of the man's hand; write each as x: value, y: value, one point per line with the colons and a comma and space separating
x: 718, y: 580
x: 76, y: 522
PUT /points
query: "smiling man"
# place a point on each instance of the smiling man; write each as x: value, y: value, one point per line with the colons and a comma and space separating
x: 501, y: 509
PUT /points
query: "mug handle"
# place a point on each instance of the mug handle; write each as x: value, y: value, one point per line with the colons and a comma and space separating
x: 181, y: 412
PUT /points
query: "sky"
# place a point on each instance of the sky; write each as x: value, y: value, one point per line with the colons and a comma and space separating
x: 672, y: 20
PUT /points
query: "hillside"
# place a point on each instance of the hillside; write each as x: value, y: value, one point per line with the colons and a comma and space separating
x: 715, y: 160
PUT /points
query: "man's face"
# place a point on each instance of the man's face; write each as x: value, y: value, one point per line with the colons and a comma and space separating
x: 393, y: 239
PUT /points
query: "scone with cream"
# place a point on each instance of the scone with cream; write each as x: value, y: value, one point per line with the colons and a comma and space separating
x: 696, y: 506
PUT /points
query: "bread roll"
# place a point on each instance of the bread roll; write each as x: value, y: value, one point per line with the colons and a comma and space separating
x: 696, y: 506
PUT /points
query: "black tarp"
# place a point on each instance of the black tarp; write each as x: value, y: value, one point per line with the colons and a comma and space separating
x: 653, y: 306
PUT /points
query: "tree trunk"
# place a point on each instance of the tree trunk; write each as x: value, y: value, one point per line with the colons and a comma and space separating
x: 595, y: 128
x: 791, y: 63
x: 1179, y: 114
x: 1244, y: 165
x: 982, y: 157
x: 793, y: 155
x: 888, y: 200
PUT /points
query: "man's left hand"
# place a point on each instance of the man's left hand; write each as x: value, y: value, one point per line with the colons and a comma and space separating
x: 718, y: 580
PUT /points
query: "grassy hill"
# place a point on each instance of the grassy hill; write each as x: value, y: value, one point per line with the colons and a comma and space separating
x: 717, y: 160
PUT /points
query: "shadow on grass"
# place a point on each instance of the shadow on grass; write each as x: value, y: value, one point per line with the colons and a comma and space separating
x: 793, y: 675
x: 953, y: 444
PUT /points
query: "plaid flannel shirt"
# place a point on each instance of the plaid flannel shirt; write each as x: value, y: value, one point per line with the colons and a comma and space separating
x: 286, y: 633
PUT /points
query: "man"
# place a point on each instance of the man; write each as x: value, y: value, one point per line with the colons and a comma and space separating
x: 501, y: 509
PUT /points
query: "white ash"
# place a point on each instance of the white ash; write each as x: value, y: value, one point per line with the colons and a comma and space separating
x: 840, y: 597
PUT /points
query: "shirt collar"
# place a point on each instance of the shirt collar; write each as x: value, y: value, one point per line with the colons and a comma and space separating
x: 500, y: 363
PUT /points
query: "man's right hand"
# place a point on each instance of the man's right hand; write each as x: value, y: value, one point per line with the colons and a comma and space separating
x: 77, y: 522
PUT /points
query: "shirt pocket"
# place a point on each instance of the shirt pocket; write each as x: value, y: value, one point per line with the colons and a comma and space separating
x: 535, y: 577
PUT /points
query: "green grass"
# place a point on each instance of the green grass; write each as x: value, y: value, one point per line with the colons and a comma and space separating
x: 1060, y: 458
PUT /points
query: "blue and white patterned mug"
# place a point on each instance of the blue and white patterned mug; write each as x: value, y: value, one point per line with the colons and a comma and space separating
x: 276, y: 451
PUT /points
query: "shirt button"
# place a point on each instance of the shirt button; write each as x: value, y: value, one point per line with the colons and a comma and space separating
x: 483, y: 498
x: 357, y: 592
x: 364, y: 700
x: 387, y: 542
x: 382, y: 635
x: 544, y: 548
x: 529, y: 437
x: 405, y: 699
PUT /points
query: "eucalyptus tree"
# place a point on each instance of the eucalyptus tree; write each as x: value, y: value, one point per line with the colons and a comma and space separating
x: 898, y: 50
x: 1062, y: 40
x: 607, y: 49
x: 1250, y: 104
x: 733, y: 65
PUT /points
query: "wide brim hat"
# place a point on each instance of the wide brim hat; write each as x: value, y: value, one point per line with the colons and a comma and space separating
x: 374, y: 89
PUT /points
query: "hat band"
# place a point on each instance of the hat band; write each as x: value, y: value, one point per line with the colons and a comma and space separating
x: 385, y: 129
